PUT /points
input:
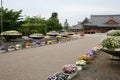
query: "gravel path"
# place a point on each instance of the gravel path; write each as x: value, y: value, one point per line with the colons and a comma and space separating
x: 40, y: 62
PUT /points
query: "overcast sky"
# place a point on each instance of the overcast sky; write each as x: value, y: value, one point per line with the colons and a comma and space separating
x: 73, y: 10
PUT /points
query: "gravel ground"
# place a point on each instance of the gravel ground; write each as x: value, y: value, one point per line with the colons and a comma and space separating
x: 40, y: 62
x: 100, y: 68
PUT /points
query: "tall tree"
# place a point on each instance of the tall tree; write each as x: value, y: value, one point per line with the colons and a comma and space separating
x: 11, y: 19
x: 54, y: 15
x: 53, y: 23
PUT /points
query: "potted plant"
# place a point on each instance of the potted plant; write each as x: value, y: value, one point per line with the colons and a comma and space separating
x: 11, y: 48
x: 111, y: 43
x: 70, y: 69
x: 84, y: 57
x: 18, y: 46
x: 3, y: 48
x: 49, y: 42
x: 12, y: 34
x: 80, y: 64
x: 97, y: 48
x: 113, y: 33
x: 58, y: 76
x: 90, y: 53
x: 28, y: 44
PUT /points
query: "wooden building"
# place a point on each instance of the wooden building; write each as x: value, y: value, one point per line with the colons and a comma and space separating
x: 101, y: 23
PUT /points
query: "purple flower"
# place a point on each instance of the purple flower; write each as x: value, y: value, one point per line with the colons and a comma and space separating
x: 58, y: 76
x: 3, y: 47
x: 90, y: 52
x: 93, y: 51
x: 53, y: 77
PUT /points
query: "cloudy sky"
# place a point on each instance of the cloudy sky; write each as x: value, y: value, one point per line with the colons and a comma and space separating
x: 73, y: 10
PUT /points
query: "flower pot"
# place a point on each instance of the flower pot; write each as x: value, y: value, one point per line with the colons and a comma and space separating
x: 72, y: 75
x: 58, y: 76
x: 70, y: 70
x: 28, y: 46
x: 11, y: 48
x: 79, y: 68
x: 84, y: 57
x: 111, y: 52
x: 18, y: 46
x: 3, y: 49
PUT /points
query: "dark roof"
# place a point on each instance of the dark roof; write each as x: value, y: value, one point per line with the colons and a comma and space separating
x: 100, y: 20
x: 77, y: 26
x: 85, y: 21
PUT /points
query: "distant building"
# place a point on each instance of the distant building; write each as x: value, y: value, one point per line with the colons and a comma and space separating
x: 101, y: 23
x: 76, y: 28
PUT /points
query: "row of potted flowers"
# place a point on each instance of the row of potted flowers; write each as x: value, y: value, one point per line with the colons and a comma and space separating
x: 27, y: 44
x: 85, y: 59
x: 70, y: 70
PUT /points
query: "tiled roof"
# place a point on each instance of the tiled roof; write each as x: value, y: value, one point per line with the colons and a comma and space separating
x: 100, y: 20
x: 77, y: 26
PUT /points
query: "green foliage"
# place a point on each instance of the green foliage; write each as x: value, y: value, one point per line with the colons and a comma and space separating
x: 54, y: 15
x: 53, y: 23
x: 34, y: 25
x: 40, y: 25
x: 11, y: 19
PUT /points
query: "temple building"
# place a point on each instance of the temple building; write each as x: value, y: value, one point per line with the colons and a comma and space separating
x: 76, y: 28
x: 101, y: 23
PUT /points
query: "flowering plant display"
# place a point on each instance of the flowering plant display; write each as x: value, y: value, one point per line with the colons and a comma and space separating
x: 111, y: 43
x: 113, y: 33
x: 58, y: 76
x: 50, y: 42
x: 11, y: 32
x: 52, y: 77
x: 69, y: 68
x: 11, y: 48
x: 36, y: 36
x: 97, y: 48
x: 91, y: 52
x: 3, y: 47
x: 28, y: 43
x: 84, y: 57
x: 18, y: 46
x: 59, y: 37
x: 81, y: 63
